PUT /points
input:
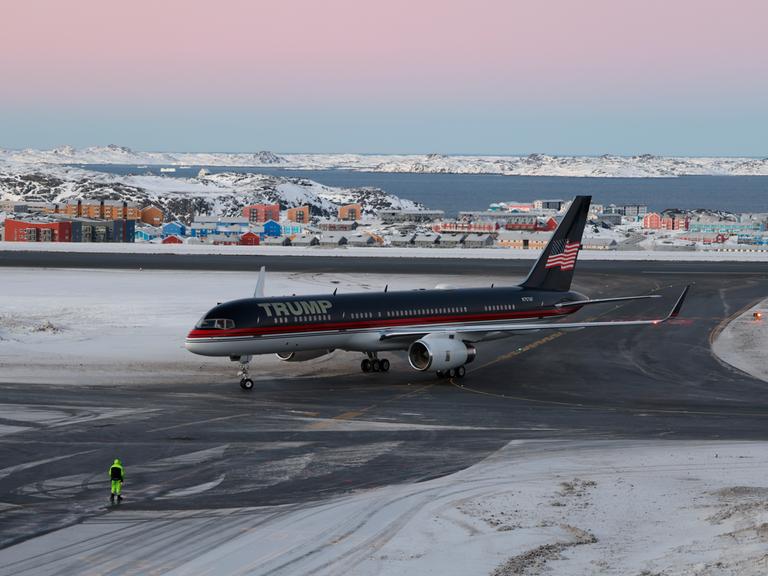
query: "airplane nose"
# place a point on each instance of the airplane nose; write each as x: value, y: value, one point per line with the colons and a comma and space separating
x: 192, y: 344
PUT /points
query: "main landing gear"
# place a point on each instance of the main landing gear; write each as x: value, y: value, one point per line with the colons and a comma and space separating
x: 458, y: 372
x: 245, y: 382
x: 374, y: 364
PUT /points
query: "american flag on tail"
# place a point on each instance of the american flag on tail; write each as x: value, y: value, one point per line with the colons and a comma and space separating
x: 563, y: 254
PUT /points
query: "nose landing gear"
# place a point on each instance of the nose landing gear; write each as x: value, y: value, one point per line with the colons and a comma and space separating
x: 245, y: 382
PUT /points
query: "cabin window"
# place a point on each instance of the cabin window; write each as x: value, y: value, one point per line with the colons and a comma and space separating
x: 215, y: 324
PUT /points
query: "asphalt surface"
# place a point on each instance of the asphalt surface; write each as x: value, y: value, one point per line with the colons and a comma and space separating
x: 348, y: 264
x: 294, y: 440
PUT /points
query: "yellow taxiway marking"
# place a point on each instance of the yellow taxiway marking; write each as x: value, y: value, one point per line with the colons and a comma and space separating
x: 523, y: 349
x: 196, y: 422
x: 352, y: 414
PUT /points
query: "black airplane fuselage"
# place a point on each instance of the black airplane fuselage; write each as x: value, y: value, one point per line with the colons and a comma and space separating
x: 353, y: 321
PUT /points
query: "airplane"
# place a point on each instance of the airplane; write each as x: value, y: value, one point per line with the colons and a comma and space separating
x: 439, y: 327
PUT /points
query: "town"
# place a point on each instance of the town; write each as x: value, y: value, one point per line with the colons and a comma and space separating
x: 521, y: 225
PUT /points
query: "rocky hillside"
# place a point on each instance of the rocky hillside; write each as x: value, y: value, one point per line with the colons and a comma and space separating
x: 221, y: 194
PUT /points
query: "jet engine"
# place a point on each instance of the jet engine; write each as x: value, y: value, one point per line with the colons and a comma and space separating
x: 440, y: 352
x: 302, y: 356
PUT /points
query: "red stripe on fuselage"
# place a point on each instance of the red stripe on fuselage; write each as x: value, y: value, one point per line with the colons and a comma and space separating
x: 379, y: 323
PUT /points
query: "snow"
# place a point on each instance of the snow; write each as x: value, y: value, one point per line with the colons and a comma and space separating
x: 744, y: 340
x: 642, y: 166
x: 380, y: 252
x: 560, y: 507
x: 220, y: 194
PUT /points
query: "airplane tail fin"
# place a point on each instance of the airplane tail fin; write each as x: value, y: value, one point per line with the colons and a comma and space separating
x: 554, y: 268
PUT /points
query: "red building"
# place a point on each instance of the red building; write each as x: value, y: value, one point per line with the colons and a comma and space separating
x: 531, y: 223
x: 262, y: 212
x: 172, y: 240
x: 37, y: 231
x: 351, y: 212
x: 675, y: 222
x: 654, y: 221
x: 249, y: 239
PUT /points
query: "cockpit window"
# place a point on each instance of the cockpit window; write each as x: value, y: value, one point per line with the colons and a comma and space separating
x: 215, y: 324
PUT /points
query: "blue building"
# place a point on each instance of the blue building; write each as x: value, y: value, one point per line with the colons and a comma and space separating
x: 272, y: 228
x: 146, y: 233
x: 291, y: 228
x: 175, y: 228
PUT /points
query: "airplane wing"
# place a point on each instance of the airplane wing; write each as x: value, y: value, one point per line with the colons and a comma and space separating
x: 604, y: 300
x: 512, y: 327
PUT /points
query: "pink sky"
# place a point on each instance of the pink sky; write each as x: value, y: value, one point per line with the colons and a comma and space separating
x: 452, y: 75
x: 407, y: 51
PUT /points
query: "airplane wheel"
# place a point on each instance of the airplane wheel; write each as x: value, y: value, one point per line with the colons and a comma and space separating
x: 384, y: 364
x: 365, y: 365
x: 440, y: 374
x: 460, y: 371
x: 376, y: 365
x: 246, y: 384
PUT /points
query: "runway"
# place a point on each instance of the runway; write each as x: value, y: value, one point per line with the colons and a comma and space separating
x: 297, y: 440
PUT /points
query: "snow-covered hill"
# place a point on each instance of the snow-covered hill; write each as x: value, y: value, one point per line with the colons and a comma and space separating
x: 642, y: 166
x: 220, y: 194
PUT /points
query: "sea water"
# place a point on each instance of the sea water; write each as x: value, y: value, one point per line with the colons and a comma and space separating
x: 456, y: 192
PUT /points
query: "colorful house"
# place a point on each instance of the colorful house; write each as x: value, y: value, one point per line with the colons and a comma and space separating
x: 249, y: 239
x: 291, y: 228
x: 174, y: 228
x: 272, y: 228
x: 146, y: 233
x: 652, y: 221
x: 351, y: 212
x: 152, y: 215
x: 299, y: 214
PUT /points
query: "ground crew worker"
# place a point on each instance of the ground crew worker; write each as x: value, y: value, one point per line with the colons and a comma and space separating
x: 117, y: 476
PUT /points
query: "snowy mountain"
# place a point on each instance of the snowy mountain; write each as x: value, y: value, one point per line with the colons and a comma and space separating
x: 217, y: 194
x: 114, y: 154
x: 642, y: 166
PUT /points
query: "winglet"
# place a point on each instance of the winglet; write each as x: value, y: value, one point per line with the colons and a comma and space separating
x: 259, y: 292
x: 679, y: 303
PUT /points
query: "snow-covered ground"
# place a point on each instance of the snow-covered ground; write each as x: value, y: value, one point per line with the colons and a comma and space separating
x: 559, y: 507
x: 129, y: 326
x: 743, y: 342
x: 380, y: 252
x: 608, y: 165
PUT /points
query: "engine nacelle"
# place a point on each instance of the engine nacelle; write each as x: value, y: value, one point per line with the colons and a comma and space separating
x: 302, y: 356
x: 440, y: 352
